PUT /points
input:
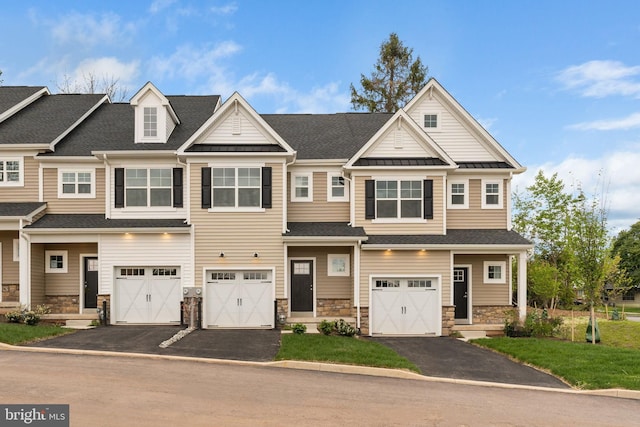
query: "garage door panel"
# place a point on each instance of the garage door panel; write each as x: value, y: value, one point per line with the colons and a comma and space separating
x: 132, y: 304
x: 222, y: 304
x: 388, y: 310
x: 147, y: 295
x: 165, y: 300
x: 257, y: 307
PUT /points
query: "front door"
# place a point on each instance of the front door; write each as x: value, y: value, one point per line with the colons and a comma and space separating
x: 302, y: 285
x: 90, y: 282
x: 460, y: 292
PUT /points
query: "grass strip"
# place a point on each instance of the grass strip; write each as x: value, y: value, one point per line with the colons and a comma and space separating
x: 345, y: 350
x: 16, y: 333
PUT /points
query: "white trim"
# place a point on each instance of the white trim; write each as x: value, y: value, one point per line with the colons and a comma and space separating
x: 47, y: 261
x: 309, y: 176
x: 343, y: 258
x: 500, y: 203
x: 315, y: 287
x: 449, y: 193
x: 76, y: 195
x: 82, y: 279
x: 20, y: 181
x: 1, y: 264
x: 438, y: 114
x: 330, y: 196
x: 469, y: 318
x: 503, y: 270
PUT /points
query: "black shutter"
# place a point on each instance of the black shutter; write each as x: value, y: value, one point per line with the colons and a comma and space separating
x: 119, y: 188
x: 177, y: 188
x: 370, y: 199
x: 266, y: 188
x: 206, y: 188
x: 428, y: 199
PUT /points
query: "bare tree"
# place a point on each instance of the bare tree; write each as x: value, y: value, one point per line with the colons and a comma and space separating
x: 91, y: 83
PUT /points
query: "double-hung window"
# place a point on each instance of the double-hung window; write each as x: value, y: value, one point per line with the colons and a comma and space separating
x: 458, y: 194
x: 236, y: 187
x: 491, y: 194
x: 301, y: 187
x: 148, y: 187
x: 74, y: 184
x: 10, y: 172
x: 399, y: 199
x: 337, y: 190
x: 150, y: 122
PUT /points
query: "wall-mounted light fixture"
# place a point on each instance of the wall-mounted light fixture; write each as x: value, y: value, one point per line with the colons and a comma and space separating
x: 221, y: 255
x: 256, y: 254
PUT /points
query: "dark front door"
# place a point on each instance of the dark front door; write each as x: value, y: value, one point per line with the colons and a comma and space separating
x: 302, y: 285
x: 460, y: 292
x: 90, y: 282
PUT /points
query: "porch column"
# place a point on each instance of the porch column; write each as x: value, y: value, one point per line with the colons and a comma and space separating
x: 25, y: 269
x: 356, y: 281
x: 522, y: 285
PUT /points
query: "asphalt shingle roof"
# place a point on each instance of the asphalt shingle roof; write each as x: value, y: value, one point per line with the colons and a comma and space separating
x: 323, y: 229
x: 326, y: 136
x: 99, y: 221
x: 13, y: 95
x: 19, y: 208
x: 453, y: 237
x: 45, y: 119
x: 112, y: 127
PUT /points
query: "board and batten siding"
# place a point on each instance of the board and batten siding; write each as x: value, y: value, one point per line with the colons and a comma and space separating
x: 327, y: 286
x: 475, y: 216
x: 10, y: 268
x: 319, y: 209
x: 397, y: 262
x: 67, y: 283
x: 83, y: 205
x: 486, y: 293
x: 143, y: 250
x: 454, y: 137
x: 37, y: 275
x: 430, y: 226
x: 238, y: 234
x: 29, y: 191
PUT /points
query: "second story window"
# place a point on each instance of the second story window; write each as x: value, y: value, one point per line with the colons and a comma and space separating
x: 150, y: 122
x: 492, y: 194
x: 430, y: 121
x: 10, y: 172
x: 148, y: 187
x: 399, y: 199
x: 236, y: 187
x: 458, y: 194
x: 302, y: 187
x: 72, y: 184
x: 337, y: 188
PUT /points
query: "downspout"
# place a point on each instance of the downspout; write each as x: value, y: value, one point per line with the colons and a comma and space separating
x: 356, y: 282
x: 509, y: 224
x: 285, y: 213
x: 351, y: 213
x: 107, y: 178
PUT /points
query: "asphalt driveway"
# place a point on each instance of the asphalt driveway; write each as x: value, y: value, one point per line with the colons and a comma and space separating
x: 448, y: 357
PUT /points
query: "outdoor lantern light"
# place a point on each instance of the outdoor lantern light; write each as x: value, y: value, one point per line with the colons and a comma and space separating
x: 221, y: 255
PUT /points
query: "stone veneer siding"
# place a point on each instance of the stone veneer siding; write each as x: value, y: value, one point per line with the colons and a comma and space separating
x: 283, y: 308
x: 491, y: 314
x: 334, y: 307
x: 364, y: 320
x: 448, y: 319
x: 106, y: 298
x: 63, y: 304
x: 10, y: 293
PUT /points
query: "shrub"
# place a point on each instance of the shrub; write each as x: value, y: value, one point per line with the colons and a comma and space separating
x: 345, y: 329
x: 14, y: 316
x: 31, y: 318
x: 536, y: 324
x: 299, y: 328
x: 326, y: 327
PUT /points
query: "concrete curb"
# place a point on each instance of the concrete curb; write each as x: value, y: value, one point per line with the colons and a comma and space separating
x: 327, y: 367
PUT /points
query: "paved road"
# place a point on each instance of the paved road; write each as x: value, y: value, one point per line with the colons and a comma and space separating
x: 121, y: 391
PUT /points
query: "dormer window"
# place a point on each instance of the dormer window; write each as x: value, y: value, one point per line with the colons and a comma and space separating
x: 150, y: 122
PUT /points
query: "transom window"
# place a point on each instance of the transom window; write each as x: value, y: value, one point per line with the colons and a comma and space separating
x: 165, y: 272
x: 301, y: 268
x: 10, y: 171
x: 387, y: 283
x: 148, y: 187
x: 132, y: 271
x: 419, y: 283
x: 399, y: 199
x: 256, y: 275
x: 236, y: 187
x: 431, y: 120
x: 458, y: 275
x: 495, y: 272
x: 223, y: 275
x: 492, y: 194
x: 150, y: 121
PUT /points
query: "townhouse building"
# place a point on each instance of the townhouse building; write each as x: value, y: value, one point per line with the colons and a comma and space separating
x: 399, y: 223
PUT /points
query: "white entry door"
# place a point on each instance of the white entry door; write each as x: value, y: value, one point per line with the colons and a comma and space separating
x: 239, y: 299
x: 405, y: 306
x: 147, y: 295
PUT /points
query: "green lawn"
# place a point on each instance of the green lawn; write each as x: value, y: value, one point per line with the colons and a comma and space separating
x: 582, y: 364
x: 335, y: 349
x: 14, y: 333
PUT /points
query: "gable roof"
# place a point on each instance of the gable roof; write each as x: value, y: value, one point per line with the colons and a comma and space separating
x: 150, y: 87
x: 14, y: 98
x: 112, y: 128
x: 326, y: 136
x: 20, y: 209
x: 43, y: 121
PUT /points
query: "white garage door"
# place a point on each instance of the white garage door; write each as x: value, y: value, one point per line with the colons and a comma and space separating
x: 147, y: 295
x: 407, y: 306
x: 239, y: 299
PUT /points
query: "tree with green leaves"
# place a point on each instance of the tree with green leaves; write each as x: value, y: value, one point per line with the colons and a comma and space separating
x: 395, y: 80
x: 627, y: 246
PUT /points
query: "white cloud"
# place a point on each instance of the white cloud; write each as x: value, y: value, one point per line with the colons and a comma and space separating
x: 625, y: 123
x: 227, y: 9
x: 90, y: 29
x: 602, y: 78
x: 615, y: 176
x: 159, y: 5
x: 109, y: 67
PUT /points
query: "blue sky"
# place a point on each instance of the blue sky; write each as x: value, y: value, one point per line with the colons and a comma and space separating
x: 556, y: 82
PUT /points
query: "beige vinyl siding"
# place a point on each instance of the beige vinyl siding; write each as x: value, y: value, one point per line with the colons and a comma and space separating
x: 431, y: 226
x: 327, y: 286
x: 67, y: 283
x: 238, y: 234
x: 396, y: 262
x: 475, y: 216
x: 455, y: 137
x: 318, y: 210
x: 27, y: 193
x: 10, y: 268
x: 225, y: 133
x: 72, y: 205
x: 486, y: 293
x: 37, y: 275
